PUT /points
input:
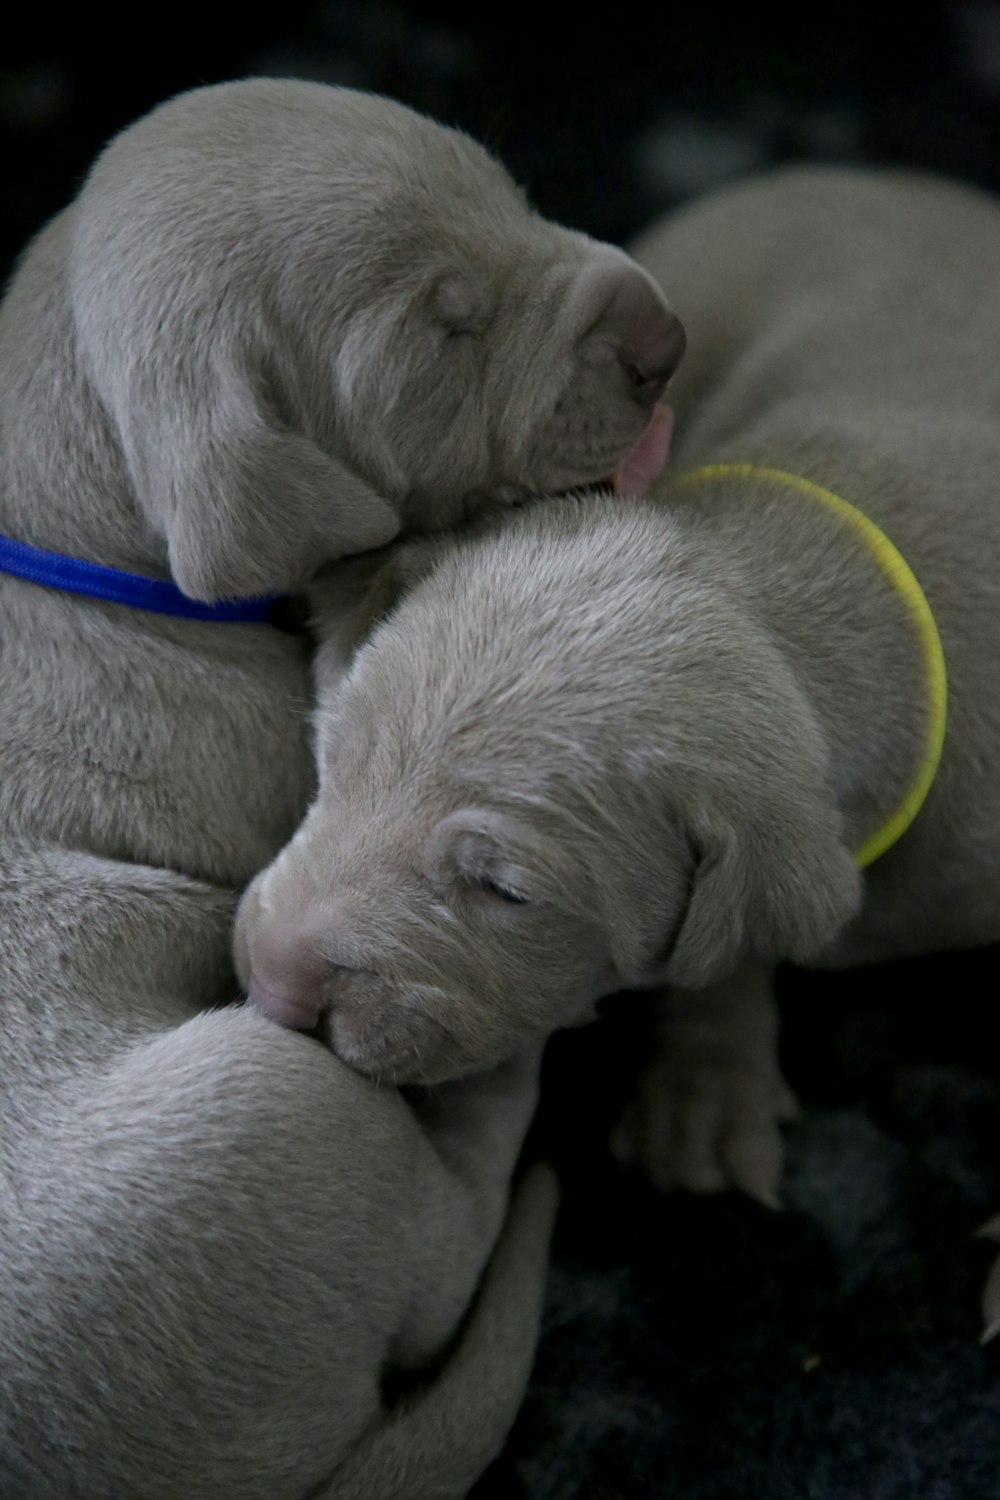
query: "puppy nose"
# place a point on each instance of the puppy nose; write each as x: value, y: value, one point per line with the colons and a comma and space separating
x: 654, y: 355
x: 645, y: 336
x: 297, y: 1007
x: 286, y: 981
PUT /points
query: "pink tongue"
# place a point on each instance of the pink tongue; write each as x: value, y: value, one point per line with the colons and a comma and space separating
x: 642, y: 466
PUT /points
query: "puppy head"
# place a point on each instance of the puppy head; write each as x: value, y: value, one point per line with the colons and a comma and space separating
x: 315, y: 318
x: 436, y: 942
x: 558, y: 768
x: 530, y: 361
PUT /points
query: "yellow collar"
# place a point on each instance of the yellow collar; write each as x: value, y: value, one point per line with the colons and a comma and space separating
x: 902, y: 580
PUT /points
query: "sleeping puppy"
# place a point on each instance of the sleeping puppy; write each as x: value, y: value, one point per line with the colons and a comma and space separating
x: 217, y: 1241
x: 280, y: 323
x: 590, y: 747
x: 303, y: 319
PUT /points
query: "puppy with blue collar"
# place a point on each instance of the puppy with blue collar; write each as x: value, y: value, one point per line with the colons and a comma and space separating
x: 282, y: 323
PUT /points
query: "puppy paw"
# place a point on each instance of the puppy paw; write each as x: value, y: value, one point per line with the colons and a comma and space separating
x: 991, y: 1291
x: 708, y: 1126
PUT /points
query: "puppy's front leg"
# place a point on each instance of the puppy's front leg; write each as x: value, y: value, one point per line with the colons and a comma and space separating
x: 709, y: 1105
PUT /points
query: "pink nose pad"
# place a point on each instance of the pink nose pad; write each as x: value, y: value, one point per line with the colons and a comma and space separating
x: 286, y: 983
x: 295, y: 1009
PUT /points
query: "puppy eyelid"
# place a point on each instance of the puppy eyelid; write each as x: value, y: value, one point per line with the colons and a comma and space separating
x: 504, y: 892
x: 461, y: 307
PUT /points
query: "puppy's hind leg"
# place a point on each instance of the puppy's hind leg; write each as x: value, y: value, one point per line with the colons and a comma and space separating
x: 709, y: 1104
x: 436, y: 1444
x: 202, y: 1268
x: 469, y: 1136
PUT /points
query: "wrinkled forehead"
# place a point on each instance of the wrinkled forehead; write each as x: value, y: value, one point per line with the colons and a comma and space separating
x: 454, y: 719
x: 437, y: 168
x: 389, y: 799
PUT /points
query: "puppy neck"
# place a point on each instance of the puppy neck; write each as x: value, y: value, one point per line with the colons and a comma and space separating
x: 857, y: 629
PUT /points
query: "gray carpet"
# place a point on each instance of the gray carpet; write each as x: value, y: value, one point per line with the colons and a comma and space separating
x: 708, y: 1349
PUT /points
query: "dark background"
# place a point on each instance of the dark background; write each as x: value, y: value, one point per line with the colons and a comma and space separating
x: 697, y: 1349
x: 606, y: 113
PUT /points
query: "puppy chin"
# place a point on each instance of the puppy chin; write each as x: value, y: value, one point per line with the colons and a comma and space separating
x: 394, y: 1049
x: 562, y: 474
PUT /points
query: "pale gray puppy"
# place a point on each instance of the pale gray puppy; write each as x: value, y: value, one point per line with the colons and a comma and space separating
x: 216, y: 1240
x: 280, y: 323
x: 301, y: 319
x: 600, y: 747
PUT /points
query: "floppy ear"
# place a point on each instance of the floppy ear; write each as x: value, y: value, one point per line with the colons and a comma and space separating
x: 247, y: 504
x: 709, y: 890
x: 780, y: 887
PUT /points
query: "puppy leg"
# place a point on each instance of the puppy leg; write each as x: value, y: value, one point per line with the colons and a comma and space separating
x: 473, y: 1131
x: 709, y: 1105
x: 215, y: 1243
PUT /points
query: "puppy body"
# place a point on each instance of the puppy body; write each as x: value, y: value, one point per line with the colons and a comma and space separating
x: 599, y: 748
x: 217, y: 1239
x: 214, y: 1237
x: 229, y: 361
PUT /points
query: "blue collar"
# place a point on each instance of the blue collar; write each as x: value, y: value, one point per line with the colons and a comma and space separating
x: 78, y: 577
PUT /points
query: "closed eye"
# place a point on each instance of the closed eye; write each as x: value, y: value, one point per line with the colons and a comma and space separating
x: 504, y: 892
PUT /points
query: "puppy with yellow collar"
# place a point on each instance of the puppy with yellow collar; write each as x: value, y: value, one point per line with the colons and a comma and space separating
x: 756, y: 718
